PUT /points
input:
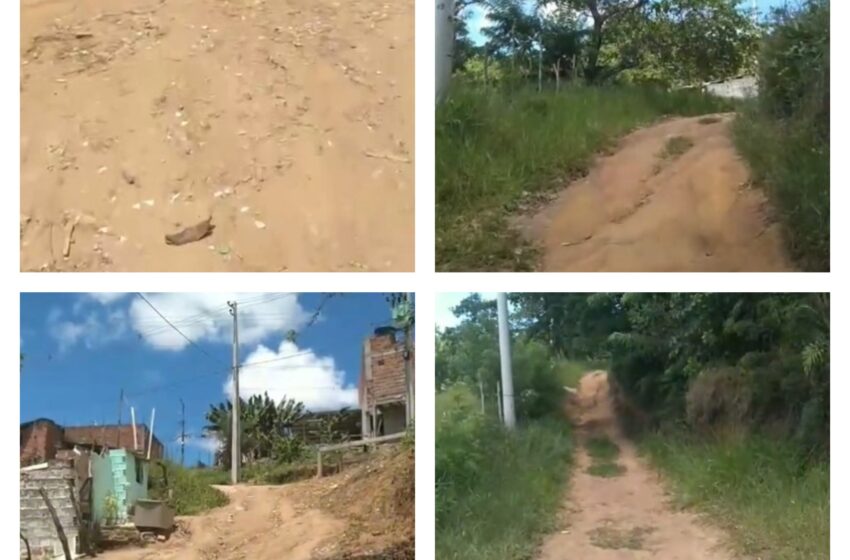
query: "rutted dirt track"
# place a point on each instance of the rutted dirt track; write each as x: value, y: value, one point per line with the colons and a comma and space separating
x: 261, y: 523
x: 627, y: 516
x: 288, y: 122
x: 640, y: 211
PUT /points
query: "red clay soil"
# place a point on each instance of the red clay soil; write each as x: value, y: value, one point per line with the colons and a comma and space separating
x: 643, y: 209
x: 625, y: 517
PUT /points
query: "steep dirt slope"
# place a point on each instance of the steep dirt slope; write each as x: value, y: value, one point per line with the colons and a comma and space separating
x: 644, y: 209
x: 289, y: 123
x: 628, y: 516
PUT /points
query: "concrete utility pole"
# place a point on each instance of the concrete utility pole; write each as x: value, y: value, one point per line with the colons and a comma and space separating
x: 505, y: 354
x: 120, y: 407
x: 236, y: 455
x: 150, y: 435
x: 445, y: 28
x: 182, y: 432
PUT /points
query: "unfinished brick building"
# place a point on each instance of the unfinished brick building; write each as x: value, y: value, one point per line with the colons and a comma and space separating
x: 383, y: 393
x: 43, y: 439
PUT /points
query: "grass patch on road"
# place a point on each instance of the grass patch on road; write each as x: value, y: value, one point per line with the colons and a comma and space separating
x: 772, y: 503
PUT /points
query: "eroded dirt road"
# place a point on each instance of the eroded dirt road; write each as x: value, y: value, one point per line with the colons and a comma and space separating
x: 640, y: 209
x: 628, y: 516
x: 260, y: 523
x: 288, y: 122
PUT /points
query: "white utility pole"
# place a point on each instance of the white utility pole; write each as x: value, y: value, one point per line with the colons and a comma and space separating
x: 505, y: 354
x: 150, y: 435
x: 445, y: 28
x: 133, y: 420
x: 235, y: 453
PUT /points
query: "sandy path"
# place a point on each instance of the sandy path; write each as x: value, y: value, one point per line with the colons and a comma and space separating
x: 604, y: 514
x: 290, y: 122
x: 260, y: 523
x: 637, y: 211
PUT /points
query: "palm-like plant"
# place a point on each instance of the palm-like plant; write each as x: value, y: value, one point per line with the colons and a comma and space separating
x: 262, y: 421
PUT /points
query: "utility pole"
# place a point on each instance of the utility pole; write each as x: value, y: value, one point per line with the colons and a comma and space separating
x: 505, y: 354
x: 236, y: 455
x: 182, y: 432
x: 120, y: 407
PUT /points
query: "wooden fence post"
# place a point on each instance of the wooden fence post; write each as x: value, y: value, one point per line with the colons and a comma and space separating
x: 59, y: 531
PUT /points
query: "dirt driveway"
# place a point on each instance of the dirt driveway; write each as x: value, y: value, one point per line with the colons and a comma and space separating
x: 643, y: 208
x: 260, y: 523
x: 625, y: 517
x: 288, y: 122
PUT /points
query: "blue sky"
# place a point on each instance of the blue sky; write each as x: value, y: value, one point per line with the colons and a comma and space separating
x: 477, y: 18
x: 81, y: 350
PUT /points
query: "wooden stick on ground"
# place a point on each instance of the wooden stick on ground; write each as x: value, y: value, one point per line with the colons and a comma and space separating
x: 59, y: 531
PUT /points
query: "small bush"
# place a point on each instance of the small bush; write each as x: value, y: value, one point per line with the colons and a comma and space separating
x: 188, y: 491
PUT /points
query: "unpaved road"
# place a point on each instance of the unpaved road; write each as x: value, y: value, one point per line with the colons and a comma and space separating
x: 289, y: 122
x: 628, y: 516
x: 260, y: 523
x: 640, y: 211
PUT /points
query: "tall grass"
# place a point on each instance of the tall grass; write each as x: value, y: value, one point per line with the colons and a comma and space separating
x: 497, y: 149
x: 497, y: 492
x: 188, y: 491
x: 785, y: 136
x: 771, y: 502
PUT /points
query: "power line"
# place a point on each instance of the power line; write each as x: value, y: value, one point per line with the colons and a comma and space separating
x: 189, y: 340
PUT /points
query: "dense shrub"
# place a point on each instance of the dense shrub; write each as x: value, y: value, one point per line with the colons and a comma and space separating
x: 785, y: 136
x: 794, y: 64
x: 497, y: 491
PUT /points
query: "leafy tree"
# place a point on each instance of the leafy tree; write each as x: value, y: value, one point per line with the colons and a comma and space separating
x: 263, y: 422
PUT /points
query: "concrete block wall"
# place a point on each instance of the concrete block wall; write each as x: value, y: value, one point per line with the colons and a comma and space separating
x: 36, y: 523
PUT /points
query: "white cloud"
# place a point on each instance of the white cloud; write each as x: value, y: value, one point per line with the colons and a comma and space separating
x: 204, y: 317
x: 301, y: 375
x: 208, y: 444
x: 93, y: 330
x: 107, y: 298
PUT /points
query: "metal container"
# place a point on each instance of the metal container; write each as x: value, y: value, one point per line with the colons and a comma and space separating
x: 153, y: 514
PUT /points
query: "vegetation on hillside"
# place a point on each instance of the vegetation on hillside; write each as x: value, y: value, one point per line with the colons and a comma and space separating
x: 727, y: 394
x: 557, y: 81
x: 785, y: 135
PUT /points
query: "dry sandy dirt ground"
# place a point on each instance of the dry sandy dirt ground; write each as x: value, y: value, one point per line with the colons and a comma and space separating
x: 363, y: 513
x: 288, y: 122
x: 640, y: 209
x: 261, y: 523
x: 624, y: 517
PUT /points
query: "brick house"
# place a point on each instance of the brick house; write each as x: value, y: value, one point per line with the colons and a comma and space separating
x: 44, y: 440
x: 382, y: 393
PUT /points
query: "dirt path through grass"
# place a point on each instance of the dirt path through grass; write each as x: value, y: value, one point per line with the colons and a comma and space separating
x: 672, y: 197
x: 289, y: 123
x: 621, y: 512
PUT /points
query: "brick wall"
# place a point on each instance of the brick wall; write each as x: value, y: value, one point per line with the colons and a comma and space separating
x: 36, y: 524
x: 39, y: 441
x: 385, y: 371
x: 115, y: 437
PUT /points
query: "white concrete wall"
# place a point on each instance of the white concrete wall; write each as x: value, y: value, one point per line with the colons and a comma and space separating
x: 736, y: 88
